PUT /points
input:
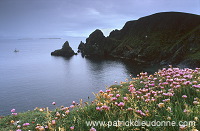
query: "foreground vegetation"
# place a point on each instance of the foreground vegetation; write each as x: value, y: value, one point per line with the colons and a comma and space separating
x: 143, y: 103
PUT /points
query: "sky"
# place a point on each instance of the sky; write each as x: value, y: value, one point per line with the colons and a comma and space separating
x: 79, y: 18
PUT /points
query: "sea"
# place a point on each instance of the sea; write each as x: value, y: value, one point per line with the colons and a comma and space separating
x: 31, y: 77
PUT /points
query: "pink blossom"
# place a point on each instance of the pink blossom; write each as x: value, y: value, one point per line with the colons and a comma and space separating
x: 100, y: 91
x: 118, y: 95
x: 105, y: 107
x: 26, y: 124
x: 13, y: 110
x: 130, y: 109
x: 53, y: 103
x: 110, y: 95
x: 92, y: 129
x: 108, y: 91
x: 184, y: 96
x: 14, y: 114
x: 125, y: 98
x: 121, y: 104
x: 113, y: 98
x: 98, y: 108
x: 72, y: 106
x: 72, y: 128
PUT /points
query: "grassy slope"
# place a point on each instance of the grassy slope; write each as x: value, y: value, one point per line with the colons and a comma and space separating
x: 169, y: 95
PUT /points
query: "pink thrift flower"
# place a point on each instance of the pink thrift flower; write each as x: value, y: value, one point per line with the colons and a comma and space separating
x: 130, y: 109
x: 13, y: 110
x: 72, y: 106
x: 118, y: 95
x: 67, y: 112
x: 53, y: 122
x: 98, y: 108
x: 184, y: 96
x: 131, y: 86
x: 100, y: 91
x: 26, y: 124
x: 125, y: 98
x: 114, y: 99
x: 53, y: 103
x: 73, y: 102
x: 14, y: 114
x: 111, y: 95
x: 121, y: 104
x: 93, y: 129
x: 72, y: 128
x: 108, y: 91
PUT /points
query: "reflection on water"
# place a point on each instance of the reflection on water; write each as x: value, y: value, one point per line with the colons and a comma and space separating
x: 33, y: 78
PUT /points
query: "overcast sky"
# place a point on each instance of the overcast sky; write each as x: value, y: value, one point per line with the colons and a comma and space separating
x: 61, y: 18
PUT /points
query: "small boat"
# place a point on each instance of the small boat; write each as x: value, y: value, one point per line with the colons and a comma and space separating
x: 16, y: 50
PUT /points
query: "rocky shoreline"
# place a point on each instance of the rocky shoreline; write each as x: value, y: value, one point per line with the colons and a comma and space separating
x: 162, y: 38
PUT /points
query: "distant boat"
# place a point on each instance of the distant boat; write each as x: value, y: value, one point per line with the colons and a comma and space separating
x: 16, y: 50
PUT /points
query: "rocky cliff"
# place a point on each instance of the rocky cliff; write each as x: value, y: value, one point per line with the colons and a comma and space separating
x: 66, y: 51
x: 161, y: 38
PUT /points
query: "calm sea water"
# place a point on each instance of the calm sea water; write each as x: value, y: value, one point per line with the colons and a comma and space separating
x: 33, y: 78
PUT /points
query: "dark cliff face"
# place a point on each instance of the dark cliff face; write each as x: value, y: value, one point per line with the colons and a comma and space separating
x: 66, y: 51
x: 164, y: 38
x: 97, y: 45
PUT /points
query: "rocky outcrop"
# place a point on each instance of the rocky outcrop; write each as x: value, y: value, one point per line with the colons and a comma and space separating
x: 162, y: 38
x: 66, y: 51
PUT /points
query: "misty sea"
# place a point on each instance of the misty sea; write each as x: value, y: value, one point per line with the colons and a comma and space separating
x: 33, y: 78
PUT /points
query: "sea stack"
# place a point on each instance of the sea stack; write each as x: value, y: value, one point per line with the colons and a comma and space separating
x: 66, y: 51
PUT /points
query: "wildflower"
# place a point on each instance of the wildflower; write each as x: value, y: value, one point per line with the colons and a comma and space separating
x: 13, y: 110
x: 183, y: 127
x: 18, y: 130
x: 53, y: 103
x: 105, y: 107
x: 111, y: 95
x: 100, y: 91
x: 125, y: 98
x: 18, y: 126
x: 67, y: 112
x: 169, y: 109
x: 108, y: 91
x: 72, y: 128
x: 98, y: 108
x: 72, y: 106
x: 57, y: 114
x: 117, y: 95
x: 53, y: 122
x: 121, y: 104
x: 26, y: 124
x: 160, y: 105
x: 184, y: 96
x: 73, y: 102
x: 113, y: 98
x: 131, y: 86
x: 166, y: 100
x: 14, y: 114
x: 195, y: 102
x: 130, y: 109
x: 92, y: 129
x: 147, y: 100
